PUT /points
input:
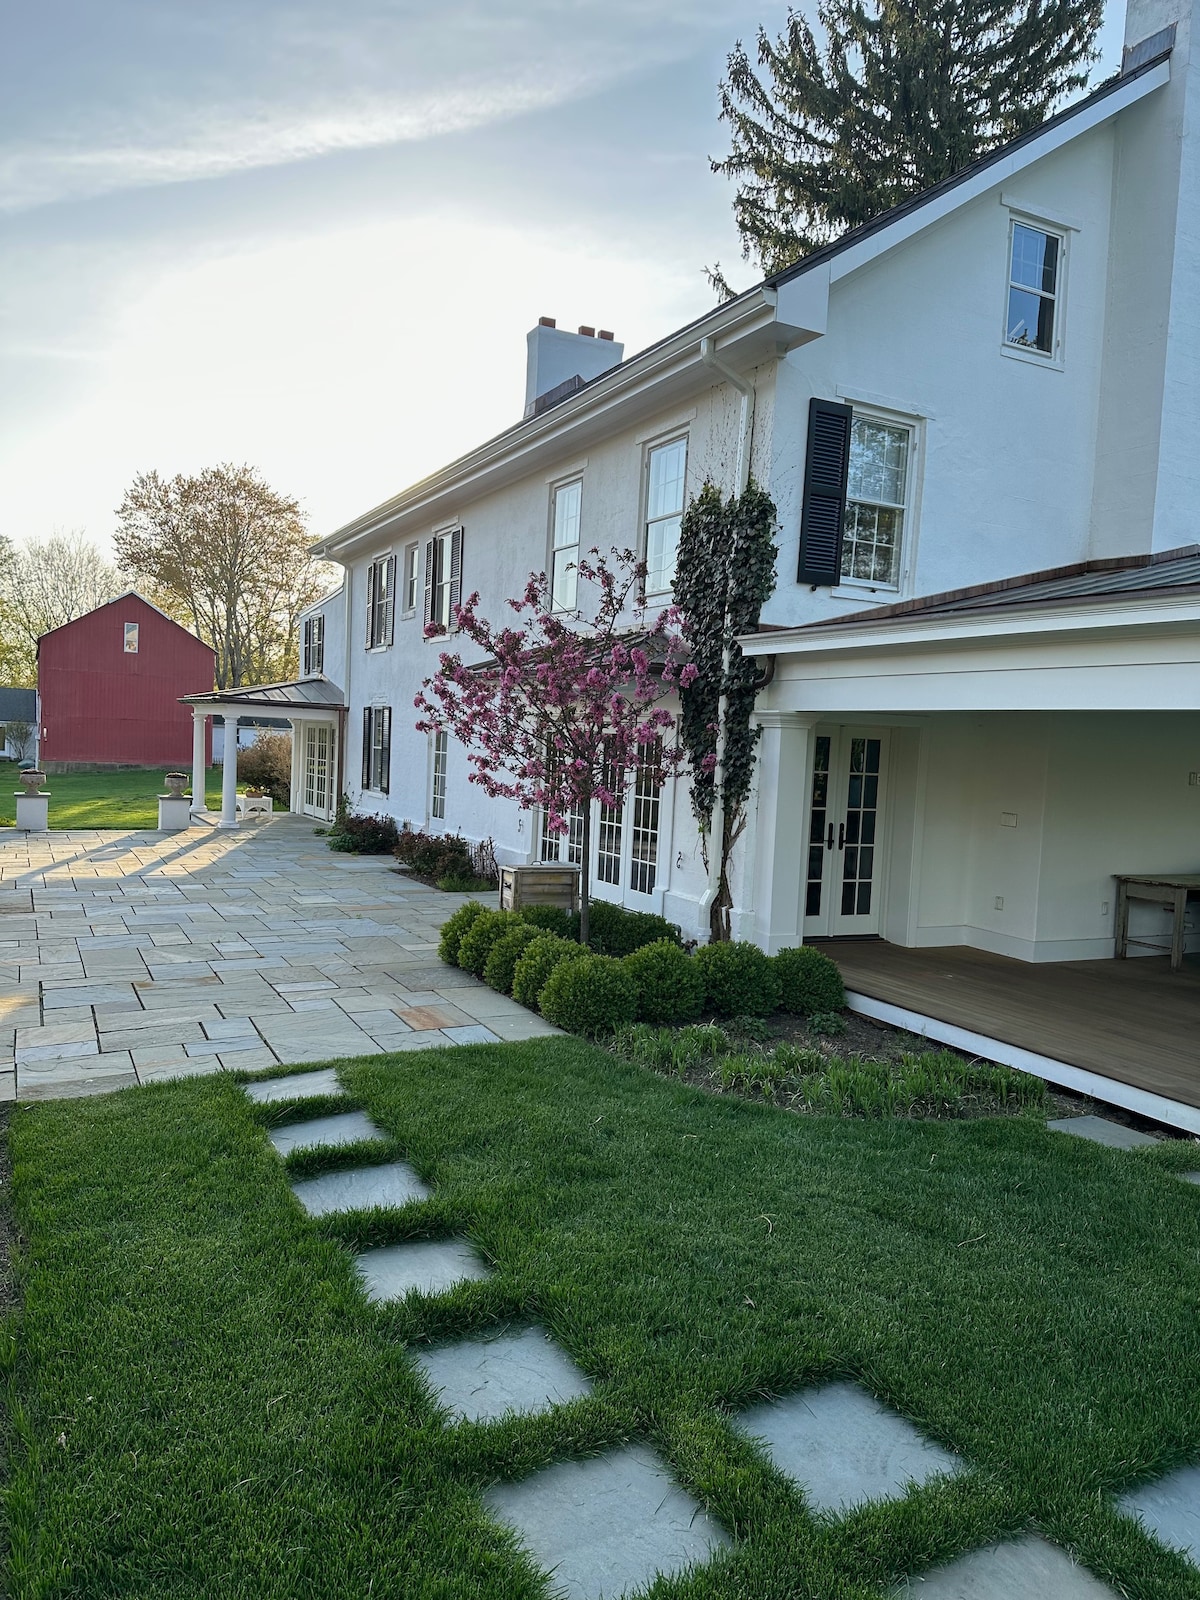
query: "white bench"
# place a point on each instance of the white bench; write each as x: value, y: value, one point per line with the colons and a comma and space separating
x: 254, y: 805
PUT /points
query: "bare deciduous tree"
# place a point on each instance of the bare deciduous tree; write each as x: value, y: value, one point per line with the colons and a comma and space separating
x: 44, y: 584
x: 225, y: 553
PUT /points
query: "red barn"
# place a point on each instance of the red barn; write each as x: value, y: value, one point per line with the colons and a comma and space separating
x: 109, y: 685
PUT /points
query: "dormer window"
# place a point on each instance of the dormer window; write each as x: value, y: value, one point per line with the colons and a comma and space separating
x: 1035, y: 270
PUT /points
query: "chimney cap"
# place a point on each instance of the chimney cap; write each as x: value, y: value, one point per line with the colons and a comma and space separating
x: 605, y: 333
x: 588, y: 333
x: 547, y: 322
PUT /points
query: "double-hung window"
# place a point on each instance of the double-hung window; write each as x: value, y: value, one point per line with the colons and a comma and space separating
x: 381, y: 602
x: 443, y: 577
x: 377, y: 748
x: 408, y: 592
x: 564, y: 557
x: 666, y: 469
x: 437, y: 783
x: 877, y: 501
x: 314, y: 643
x: 1034, y: 289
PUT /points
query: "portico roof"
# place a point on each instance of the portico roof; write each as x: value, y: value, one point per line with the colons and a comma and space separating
x: 314, y: 693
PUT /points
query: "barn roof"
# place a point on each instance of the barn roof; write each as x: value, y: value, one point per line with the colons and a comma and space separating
x: 18, y: 705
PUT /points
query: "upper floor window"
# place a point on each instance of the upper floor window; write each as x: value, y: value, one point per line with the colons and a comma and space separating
x: 377, y: 748
x: 443, y: 577
x: 131, y: 638
x: 408, y: 594
x: 564, y: 558
x: 666, y: 469
x: 877, y: 491
x: 1034, y: 274
x: 381, y: 602
x: 314, y: 643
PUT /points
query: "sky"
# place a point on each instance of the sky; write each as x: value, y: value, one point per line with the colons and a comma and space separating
x: 312, y: 236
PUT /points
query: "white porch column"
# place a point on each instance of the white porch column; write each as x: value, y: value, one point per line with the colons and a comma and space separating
x: 785, y: 764
x: 199, y: 799
x: 229, y: 773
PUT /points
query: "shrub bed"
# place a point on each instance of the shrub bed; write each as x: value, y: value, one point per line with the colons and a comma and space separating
x: 739, y: 980
x: 538, y: 960
x: 361, y: 835
x: 479, y: 938
x: 592, y: 996
x: 455, y: 927
x: 447, y: 859
x: 668, y: 983
x: 505, y: 953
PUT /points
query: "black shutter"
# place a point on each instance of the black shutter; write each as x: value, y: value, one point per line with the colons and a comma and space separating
x: 389, y: 625
x: 455, y: 572
x: 826, y: 465
x: 366, y: 776
x: 318, y: 654
x: 385, y: 754
x: 371, y: 570
x: 307, y: 645
x: 430, y: 577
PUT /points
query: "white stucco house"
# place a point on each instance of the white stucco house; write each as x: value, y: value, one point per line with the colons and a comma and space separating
x: 979, y: 419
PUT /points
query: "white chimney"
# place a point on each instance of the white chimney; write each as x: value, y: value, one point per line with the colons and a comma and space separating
x: 561, y: 362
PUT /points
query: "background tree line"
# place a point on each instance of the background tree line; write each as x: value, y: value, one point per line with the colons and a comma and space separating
x: 219, y: 551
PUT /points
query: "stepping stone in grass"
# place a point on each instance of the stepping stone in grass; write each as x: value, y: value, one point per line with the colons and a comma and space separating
x: 1025, y: 1569
x: 348, y: 1127
x: 604, y: 1527
x: 392, y: 1185
x: 298, y: 1087
x: 1190, y: 1177
x: 842, y: 1447
x: 430, y: 1265
x: 1169, y: 1508
x: 481, y: 1379
x: 1100, y: 1130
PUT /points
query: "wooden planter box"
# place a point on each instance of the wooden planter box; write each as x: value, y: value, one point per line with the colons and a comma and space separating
x: 549, y: 885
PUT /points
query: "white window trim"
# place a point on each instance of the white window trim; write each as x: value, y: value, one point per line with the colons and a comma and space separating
x: 557, y: 484
x: 1055, y: 360
x: 445, y: 530
x: 651, y: 443
x: 431, y: 817
x: 624, y: 893
x: 415, y: 546
x: 382, y: 555
x: 864, y: 589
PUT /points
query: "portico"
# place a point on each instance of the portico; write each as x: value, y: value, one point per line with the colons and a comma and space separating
x: 314, y: 708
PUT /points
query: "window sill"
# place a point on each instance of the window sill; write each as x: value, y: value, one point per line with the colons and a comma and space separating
x: 1033, y: 358
x: 872, y: 594
x: 375, y: 649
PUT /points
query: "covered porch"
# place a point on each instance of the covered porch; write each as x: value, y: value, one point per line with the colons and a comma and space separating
x: 313, y: 706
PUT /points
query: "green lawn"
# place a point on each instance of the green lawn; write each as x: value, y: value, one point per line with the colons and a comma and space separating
x: 205, y: 1405
x: 127, y: 799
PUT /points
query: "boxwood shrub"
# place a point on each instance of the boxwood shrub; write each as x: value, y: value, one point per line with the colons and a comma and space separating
x: 455, y: 927
x: 614, y: 931
x: 669, y: 985
x: 550, y: 919
x: 537, y: 961
x: 591, y: 997
x: 809, y: 982
x: 479, y: 938
x: 505, y: 953
x: 739, y: 980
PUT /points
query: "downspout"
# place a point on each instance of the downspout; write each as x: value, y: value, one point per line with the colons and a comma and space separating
x: 344, y: 718
x: 708, y: 354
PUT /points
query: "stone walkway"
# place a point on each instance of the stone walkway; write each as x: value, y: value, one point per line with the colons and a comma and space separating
x: 132, y: 957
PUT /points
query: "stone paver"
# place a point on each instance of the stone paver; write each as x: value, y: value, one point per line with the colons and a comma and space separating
x: 180, y: 954
x: 428, y: 1265
x: 298, y: 1086
x: 1169, y: 1508
x: 1101, y: 1130
x: 1025, y: 1569
x: 392, y: 1184
x: 482, y: 1379
x: 606, y: 1526
x: 325, y: 1133
x: 842, y: 1447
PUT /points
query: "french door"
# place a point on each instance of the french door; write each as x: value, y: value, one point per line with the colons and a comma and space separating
x: 845, y: 833
x: 318, y: 743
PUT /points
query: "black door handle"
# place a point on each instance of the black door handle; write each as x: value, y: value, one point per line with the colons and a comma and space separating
x: 829, y: 841
x: 841, y: 835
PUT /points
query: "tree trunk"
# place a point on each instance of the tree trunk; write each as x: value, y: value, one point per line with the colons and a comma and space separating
x: 585, y: 873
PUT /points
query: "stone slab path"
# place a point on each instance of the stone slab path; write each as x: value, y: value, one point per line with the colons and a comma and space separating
x: 1025, y: 1569
x: 133, y: 957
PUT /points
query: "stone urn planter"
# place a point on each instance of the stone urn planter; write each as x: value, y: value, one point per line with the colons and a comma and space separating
x: 31, y: 780
x: 176, y: 782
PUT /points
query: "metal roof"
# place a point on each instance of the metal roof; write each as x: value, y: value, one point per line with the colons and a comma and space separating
x: 314, y: 691
x: 18, y: 705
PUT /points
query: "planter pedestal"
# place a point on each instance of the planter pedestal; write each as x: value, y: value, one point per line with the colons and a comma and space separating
x: 33, y: 812
x: 174, y: 813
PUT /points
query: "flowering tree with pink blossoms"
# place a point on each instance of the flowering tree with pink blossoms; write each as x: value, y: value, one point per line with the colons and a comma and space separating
x: 562, y: 709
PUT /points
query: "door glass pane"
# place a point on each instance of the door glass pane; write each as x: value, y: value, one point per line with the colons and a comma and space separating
x: 858, y: 864
x: 816, y: 827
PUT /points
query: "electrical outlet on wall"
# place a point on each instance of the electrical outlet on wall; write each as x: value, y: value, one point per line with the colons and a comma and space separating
x: 999, y: 902
x: 1104, y: 908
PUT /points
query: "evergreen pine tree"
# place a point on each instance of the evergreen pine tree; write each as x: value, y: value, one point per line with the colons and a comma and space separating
x: 901, y: 94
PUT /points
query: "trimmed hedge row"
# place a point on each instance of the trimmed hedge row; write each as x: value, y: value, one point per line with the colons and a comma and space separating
x: 532, y: 956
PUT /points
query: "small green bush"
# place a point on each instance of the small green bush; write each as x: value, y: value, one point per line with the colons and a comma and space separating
x: 749, y: 1030
x: 455, y: 927
x: 505, y: 953
x: 808, y: 982
x: 799, y: 1060
x: 827, y: 1023
x: 538, y: 961
x: 614, y: 931
x: 550, y: 919
x: 761, y: 1073
x: 649, y: 1047
x: 266, y: 764
x: 700, y: 1043
x: 739, y: 980
x: 479, y: 938
x: 591, y: 997
x: 670, y: 988
x: 363, y: 836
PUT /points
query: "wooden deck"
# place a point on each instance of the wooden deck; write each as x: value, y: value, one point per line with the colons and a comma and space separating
x: 1134, y: 1022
